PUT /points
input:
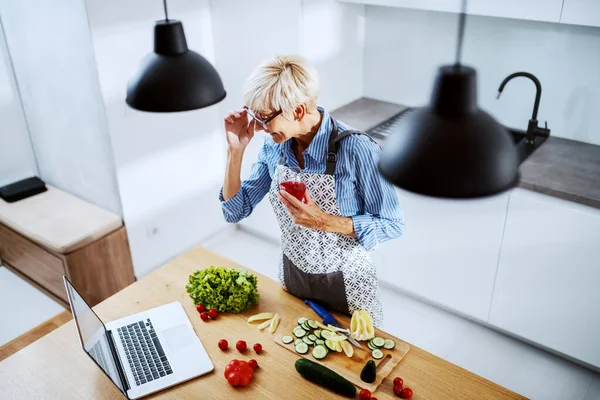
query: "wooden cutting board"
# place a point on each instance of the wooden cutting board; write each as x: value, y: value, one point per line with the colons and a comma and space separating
x: 349, y: 368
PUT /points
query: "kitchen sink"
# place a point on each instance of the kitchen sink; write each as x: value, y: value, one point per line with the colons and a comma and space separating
x: 524, y: 148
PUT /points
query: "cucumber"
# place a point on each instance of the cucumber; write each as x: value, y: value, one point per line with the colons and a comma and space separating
x: 379, y: 342
x: 331, y: 345
x: 301, y: 320
x: 299, y: 332
x: 306, y: 340
x: 377, y: 354
x: 298, y: 341
x: 305, y: 326
x: 320, y: 352
x: 370, y: 346
x: 312, y: 324
x: 325, y: 377
x: 287, y: 339
x: 301, y: 348
x: 320, y: 341
x: 389, y: 344
x: 325, y: 334
x: 312, y: 337
x: 317, y: 333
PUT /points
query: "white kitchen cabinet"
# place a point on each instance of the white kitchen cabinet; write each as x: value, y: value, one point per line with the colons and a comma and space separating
x: 581, y: 12
x: 536, y: 10
x: 449, y: 252
x: 548, y: 284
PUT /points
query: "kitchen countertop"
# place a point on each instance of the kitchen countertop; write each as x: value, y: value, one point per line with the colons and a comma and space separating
x: 561, y: 168
x: 55, y: 367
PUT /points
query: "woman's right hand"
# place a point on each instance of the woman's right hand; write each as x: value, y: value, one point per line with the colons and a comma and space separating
x: 238, y: 130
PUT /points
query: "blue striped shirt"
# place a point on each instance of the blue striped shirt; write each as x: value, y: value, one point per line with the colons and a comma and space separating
x: 361, y: 192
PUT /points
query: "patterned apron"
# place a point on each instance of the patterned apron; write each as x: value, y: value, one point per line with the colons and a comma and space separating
x: 331, y: 268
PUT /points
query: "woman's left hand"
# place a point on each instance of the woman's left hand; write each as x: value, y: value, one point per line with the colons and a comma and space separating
x: 306, y: 214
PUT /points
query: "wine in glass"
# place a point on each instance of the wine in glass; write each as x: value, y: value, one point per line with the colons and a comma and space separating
x: 290, y: 181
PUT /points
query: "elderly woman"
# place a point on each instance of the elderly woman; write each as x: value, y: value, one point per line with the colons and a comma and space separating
x: 347, y: 208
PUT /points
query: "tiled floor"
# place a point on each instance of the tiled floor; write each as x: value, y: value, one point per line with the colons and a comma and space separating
x: 509, y: 362
x: 22, y: 306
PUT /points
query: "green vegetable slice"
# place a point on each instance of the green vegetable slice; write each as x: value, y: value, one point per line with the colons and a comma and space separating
x: 371, y: 346
x: 306, y: 340
x: 325, y: 334
x: 389, y: 344
x: 299, y: 332
x: 312, y: 337
x: 302, y: 320
x: 287, y: 339
x: 320, y: 341
x: 306, y: 326
x: 377, y: 354
x: 298, y: 341
x: 320, y: 352
x: 331, y: 345
x: 312, y: 324
x: 301, y: 348
x: 317, y: 333
x: 379, y: 342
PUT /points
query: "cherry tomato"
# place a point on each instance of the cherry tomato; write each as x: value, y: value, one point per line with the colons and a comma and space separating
x: 398, y: 391
x: 200, y: 308
x: 253, y: 364
x: 241, y: 346
x: 213, y: 313
x: 407, y: 393
x: 223, y: 344
x: 204, y: 316
x: 364, y: 395
x: 398, y: 382
x: 258, y: 348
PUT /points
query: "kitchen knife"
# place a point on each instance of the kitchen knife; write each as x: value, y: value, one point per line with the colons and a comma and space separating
x: 329, y: 319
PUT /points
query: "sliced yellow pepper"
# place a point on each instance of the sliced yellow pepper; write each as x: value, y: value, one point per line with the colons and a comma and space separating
x: 261, y: 316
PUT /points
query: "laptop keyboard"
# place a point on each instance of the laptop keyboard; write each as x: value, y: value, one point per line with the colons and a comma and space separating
x: 145, y: 354
x: 98, y: 355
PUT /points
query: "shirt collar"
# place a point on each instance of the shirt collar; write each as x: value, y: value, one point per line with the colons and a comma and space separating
x: 318, y: 147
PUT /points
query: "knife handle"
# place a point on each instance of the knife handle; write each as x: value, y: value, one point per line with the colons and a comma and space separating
x: 321, y: 312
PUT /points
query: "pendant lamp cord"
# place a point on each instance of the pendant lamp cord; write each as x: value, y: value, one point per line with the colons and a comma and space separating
x: 461, y: 31
x: 166, y: 11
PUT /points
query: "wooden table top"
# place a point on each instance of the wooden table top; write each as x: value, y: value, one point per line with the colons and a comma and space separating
x: 55, y: 367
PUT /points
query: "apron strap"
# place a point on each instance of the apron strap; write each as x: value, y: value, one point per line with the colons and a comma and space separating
x: 332, y: 148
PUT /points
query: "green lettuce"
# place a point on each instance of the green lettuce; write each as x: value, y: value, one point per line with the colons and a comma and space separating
x: 226, y: 289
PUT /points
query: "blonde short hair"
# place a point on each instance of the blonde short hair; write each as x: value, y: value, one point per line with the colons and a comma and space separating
x: 282, y: 83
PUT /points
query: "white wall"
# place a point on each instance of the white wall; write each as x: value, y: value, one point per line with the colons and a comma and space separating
x: 49, y: 43
x: 404, y: 48
x: 16, y: 154
x: 169, y: 166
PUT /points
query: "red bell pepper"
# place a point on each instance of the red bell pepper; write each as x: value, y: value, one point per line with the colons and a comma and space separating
x: 238, y: 373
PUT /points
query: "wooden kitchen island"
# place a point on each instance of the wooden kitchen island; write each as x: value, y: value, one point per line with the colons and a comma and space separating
x: 55, y: 367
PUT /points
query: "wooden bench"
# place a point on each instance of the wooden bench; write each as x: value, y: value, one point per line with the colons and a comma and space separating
x: 54, y: 233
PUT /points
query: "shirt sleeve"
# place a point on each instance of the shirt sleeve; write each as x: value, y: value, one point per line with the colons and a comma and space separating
x: 382, y: 219
x: 252, y: 190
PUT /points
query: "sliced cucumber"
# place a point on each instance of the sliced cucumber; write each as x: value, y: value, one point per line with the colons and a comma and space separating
x: 313, y: 337
x: 331, y: 345
x: 287, y: 339
x: 302, y: 320
x: 371, y: 346
x: 320, y: 341
x: 317, y: 333
x: 306, y: 326
x: 377, y: 354
x: 320, y: 352
x: 389, y: 344
x: 299, y: 332
x: 298, y: 341
x: 379, y: 342
x: 301, y: 348
x: 312, y: 324
x: 306, y: 340
x: 327, y: 334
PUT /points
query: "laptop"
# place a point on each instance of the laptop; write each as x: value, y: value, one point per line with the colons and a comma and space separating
x: 142, y: 353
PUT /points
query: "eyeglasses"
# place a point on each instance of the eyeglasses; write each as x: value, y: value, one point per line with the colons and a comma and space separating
x: 262, y: 122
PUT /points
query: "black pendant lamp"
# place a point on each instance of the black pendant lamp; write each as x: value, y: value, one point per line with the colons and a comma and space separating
x: 173, y: 78
x: 451, y: 148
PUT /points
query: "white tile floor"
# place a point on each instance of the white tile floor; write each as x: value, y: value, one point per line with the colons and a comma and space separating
x: 511, y: 363
x: 22, y: 306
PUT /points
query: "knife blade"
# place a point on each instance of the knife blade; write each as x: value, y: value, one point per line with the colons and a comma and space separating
x: 329, y: 319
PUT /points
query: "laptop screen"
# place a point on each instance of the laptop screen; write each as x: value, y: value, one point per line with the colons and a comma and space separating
x: 93, y: 335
